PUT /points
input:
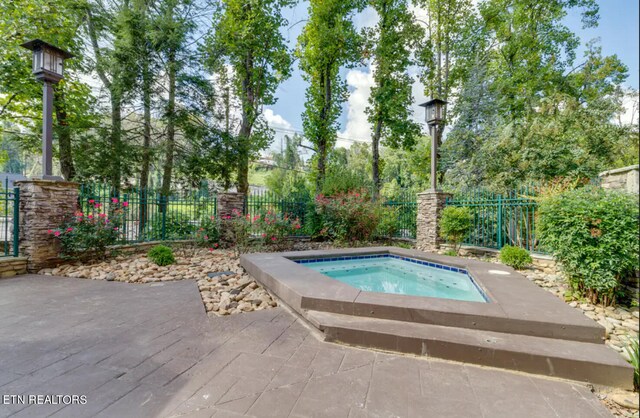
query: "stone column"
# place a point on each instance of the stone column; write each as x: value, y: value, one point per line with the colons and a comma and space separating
x: 430, y: 206
x: 44, y: 204
x: 228, y: 203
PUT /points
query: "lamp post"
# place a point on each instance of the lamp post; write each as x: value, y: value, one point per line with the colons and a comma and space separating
x: 434, y: 116
x: 48, y: 67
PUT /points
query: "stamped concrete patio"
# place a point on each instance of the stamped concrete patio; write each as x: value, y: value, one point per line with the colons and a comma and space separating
x: 150, y: 350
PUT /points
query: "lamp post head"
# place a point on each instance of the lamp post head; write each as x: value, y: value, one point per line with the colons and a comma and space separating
x: 434, y: 111
x: 48, y: 60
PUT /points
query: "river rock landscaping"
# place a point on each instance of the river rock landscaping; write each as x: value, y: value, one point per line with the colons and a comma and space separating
x: 224, y: 286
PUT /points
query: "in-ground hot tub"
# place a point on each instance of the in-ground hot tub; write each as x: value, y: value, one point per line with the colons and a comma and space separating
x: 494, y: 317
x: 389, y: 273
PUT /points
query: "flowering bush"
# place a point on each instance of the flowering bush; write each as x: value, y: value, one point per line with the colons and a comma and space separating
x: 274, y: 228
x: 89, y: 234
x: 208, y: 233
x: 351, y: 216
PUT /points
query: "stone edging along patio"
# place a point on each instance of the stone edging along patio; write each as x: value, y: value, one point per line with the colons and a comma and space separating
x: 522, y: 326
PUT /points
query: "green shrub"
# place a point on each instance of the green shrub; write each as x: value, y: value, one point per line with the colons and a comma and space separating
x: 177, y: 225
x: 593, y: 233
x: 348, y: 217
x: 89, y: 234
x: 633, y: 351
x: 388, y: 224
x: 452, y: 253
x: 161, y: 255
x: 515, y: 257
x: 208, y: 233
x: 455, y: 224
x: 238, y: 230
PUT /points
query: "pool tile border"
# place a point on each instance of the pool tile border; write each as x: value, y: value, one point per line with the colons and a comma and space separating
x: 445, y: 267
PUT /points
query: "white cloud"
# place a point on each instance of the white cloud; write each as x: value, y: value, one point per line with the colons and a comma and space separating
x: 276, y: 121
x: 356, y: 126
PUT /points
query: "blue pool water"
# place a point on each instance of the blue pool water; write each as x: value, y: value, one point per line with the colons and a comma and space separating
x: 404, y: 276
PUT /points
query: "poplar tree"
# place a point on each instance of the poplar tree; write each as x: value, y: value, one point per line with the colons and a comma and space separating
x: 389, y: 112
x: 328, y: 42
x: 246, y: 36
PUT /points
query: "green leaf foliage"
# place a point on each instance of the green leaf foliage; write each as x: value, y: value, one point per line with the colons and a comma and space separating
x: 515, y: 257
x: 455, y: 224
x: 593, y: 233
x: 161, y: 255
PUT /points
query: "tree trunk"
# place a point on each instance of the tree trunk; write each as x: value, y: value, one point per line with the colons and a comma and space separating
x: 243, y: 159
x: 116, y: 140
x: 375, y: 161
x: 323, y: 140
x: 171, y: 127
x: 146, y: 145
x: 248, y: 117
x: 64, y: 137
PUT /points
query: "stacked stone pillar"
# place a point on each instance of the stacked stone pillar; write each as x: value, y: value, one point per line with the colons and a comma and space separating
x: 44, y: 204
x: 431, y: 203
x: 229, y: 205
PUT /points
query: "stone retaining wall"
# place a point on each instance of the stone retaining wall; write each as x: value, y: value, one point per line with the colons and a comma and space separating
x: 12, y: 266
x: 626, y: 178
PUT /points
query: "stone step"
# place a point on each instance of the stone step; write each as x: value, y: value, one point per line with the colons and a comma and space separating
x: 574, y: 360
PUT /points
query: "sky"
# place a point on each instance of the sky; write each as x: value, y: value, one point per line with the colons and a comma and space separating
x: 618, y: 33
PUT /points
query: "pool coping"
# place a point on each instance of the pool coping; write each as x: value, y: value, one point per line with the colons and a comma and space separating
x: 516, y: 305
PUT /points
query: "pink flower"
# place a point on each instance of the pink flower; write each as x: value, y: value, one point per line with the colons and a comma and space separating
x: 57, y: 233
x: 115, y: 229
x: 97, y: 205
x: 90, y: 216
x: 69, y: 229
x: 206, y: 237
x: 273, y: 238
x: 92, y: 201
x: 50, y: 231
x: 125, y: 204
x: 114, y: 200
x: 264, y: 235
x: 216, y: 245
x: 102, y: 215
x: 297, y: 226
x: 210, y: 249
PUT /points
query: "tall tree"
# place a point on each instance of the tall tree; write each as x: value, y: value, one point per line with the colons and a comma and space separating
x: 391, y: 42
x: 450, y: 25
x: 246, y: 36
x: 328, y: 42
x: 107, y: 33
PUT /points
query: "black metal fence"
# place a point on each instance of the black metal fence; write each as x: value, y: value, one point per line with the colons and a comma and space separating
x: 9, y: 223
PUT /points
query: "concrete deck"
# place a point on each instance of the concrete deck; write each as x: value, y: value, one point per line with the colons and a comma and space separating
x: 150, y: 350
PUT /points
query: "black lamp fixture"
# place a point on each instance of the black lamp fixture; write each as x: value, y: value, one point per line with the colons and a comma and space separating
x: 48, y: 67
x: 434, y: 116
